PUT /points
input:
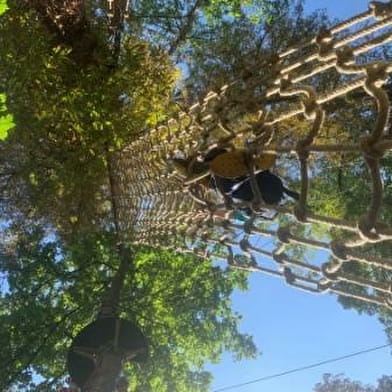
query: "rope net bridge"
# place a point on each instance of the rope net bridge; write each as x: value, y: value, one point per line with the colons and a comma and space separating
x: 171, y: 183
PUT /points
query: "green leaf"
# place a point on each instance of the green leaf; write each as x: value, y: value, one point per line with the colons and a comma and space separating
x: 3, y: 6
x: 6, y: 124
x: 6, y: 120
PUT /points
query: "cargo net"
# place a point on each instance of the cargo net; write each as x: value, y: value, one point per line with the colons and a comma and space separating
x: 195, y: 183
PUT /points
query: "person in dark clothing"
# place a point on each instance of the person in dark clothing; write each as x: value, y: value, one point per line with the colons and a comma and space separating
x: 270, y: 186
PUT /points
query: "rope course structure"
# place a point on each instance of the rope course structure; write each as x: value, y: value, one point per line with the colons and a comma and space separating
x: 169, y: 180
x: 100, y: 350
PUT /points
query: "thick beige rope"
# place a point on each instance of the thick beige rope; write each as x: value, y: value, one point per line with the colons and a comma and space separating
x: 158, y: 206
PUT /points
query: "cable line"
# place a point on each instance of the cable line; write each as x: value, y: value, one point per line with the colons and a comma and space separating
x: 300, y: 369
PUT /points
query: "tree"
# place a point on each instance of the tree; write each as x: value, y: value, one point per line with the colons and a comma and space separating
x: 65, y: 123
x: 59, y: 237
x: 344, y: 189
x: 65, y: 127
x: 181, y: 303
x: 59, y: 247
x: 339, y: 383
x: 242, y: 48
x: 5, y: 118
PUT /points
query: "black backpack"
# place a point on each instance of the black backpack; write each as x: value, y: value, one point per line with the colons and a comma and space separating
x: 271, y: 188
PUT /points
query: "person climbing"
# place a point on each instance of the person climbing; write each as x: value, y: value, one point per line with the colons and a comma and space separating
x: 231, y: 176
x: 270, y: 186
x: 229, y: 173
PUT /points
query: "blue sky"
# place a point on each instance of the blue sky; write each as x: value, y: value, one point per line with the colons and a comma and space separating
x: 293, y: 329
x: 338, y: 8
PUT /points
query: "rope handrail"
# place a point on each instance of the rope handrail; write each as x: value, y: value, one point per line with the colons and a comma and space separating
x: 163, y: 207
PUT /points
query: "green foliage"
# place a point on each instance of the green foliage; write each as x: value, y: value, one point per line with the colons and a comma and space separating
x: 240, y: 47
x: 3, y: 6
x: 256, y: 10
x: 6, y: 122
x: 176, y: 24
x: 61, y: 99
x: 339, y: 383
x: 68, y: 124
x: 73, y: 102
x: 341, y: 187
x: 182, y: 304
x: 185, y: 308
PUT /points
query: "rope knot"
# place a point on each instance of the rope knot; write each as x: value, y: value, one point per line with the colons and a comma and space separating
x: 289, y: 276
x: 248, y: 226
x: 339, y: 250
x: 325, y: 43
x: 330, y: 271
x: 380, y: 10
x: 300, y: 213
x: 230, y: 256
x: 244, y: 245
x: 285, y: 83
x: 377, y: 74
x: 365, y: 227
x: 310, y: 106
x: 325, y: 36
x: 276, y: 65
x: 283, y: 234
x: 323, y: 285
x: 278, y: 257
x: 388, y: 300
x: 369, y: 148
x: 345, y: 55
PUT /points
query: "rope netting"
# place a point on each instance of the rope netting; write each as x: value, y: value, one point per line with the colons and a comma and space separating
x: 166, y: 185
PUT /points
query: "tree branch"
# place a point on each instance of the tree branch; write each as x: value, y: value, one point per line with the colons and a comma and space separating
x: 186, y: 27
x: 117, y: 25
x: 12, y: 378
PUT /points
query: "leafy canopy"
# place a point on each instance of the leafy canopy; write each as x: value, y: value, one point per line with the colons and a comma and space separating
x: 181, y: 303
x: 339, y: 383
x: 5, y: 118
